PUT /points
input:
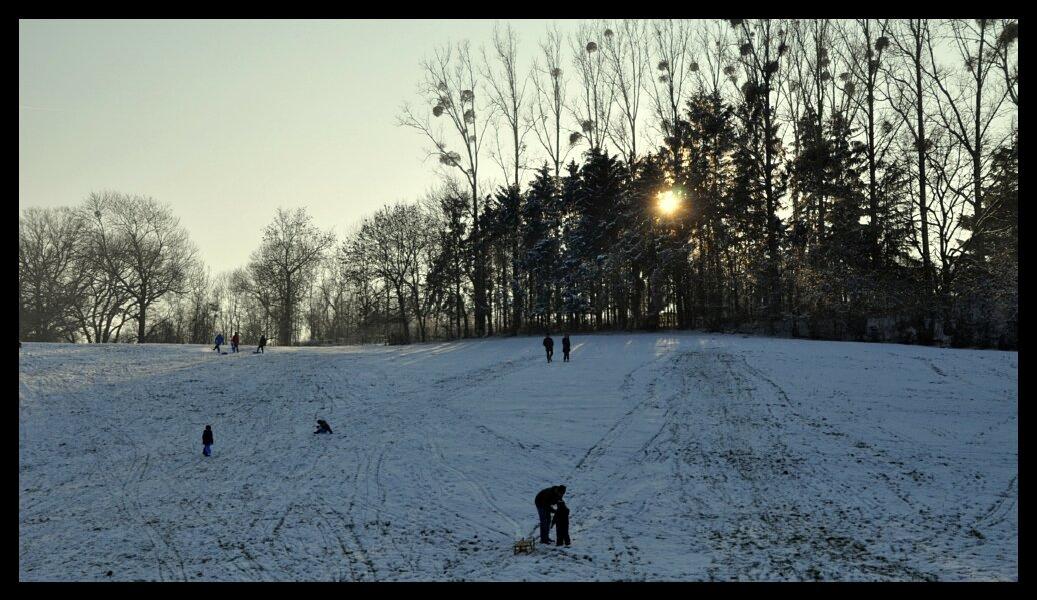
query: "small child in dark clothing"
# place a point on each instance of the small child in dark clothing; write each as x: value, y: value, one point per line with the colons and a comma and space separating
x: 207, y: 441
x: 323, y: 427
x: 561, y: 520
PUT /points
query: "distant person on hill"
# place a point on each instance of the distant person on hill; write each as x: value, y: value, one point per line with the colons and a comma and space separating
x: 549, y: 345
x: 565, y: 348
x: 262, y: 344
x: 544, y: 501
x: 219, y: 342
x: 234, y: 342
x: 323, y: 427
x: 561, y: 521
x: 207, y: 441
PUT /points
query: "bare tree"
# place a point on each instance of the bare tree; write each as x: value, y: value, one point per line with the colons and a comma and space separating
x: 396, y: 240
x: 142, y: 246
x: 105, y: 306
x: 712, y: 44
x: 508, y: 94
x: 625, y: 48
x: 593, y: 110
x: 1007, y: 59
x: 864, y: 48
x: 292, y: 249
x: 550, y: 102
x: 968, y: 109
x: 672, y: 49
x: 452, y: 86
x: 949, y: 180
x: 51, y: 279
x: 908, y: 93
x: 763, y: 43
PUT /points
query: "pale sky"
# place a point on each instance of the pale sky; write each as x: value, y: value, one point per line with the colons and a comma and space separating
x: 228, y: 120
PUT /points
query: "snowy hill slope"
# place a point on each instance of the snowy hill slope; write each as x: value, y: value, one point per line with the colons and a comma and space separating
x: 686, y: 457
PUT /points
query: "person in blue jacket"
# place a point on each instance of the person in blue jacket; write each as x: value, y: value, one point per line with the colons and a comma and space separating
x: 207, y: 441
x: 219, y: 342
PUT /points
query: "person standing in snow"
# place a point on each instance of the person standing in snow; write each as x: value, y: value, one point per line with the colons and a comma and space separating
x: 219, y: 342
x: 544, y: 501
x: 207, y: 441
x: 262, y: 344
x: 565, y: 348
x: 549, y: 346
x: 561, y: 521
x: 234, y: 342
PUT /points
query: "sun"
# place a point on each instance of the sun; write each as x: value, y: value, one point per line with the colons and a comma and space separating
x: 669, y: 202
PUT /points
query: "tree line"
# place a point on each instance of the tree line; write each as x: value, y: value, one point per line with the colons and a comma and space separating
x: 832, y: 179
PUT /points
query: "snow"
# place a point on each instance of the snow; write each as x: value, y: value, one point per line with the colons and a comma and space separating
x: 686, y: 457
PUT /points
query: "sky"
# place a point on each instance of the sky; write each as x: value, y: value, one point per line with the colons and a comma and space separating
x: 228, y: 120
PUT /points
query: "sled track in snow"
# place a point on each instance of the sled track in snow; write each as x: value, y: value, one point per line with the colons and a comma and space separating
x: 790, y: 542
x: 602, y: 445
x: 720, y: 455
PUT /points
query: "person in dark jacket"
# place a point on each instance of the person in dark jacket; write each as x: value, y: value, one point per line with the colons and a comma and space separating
x: 207, y: 441
x: 323, y: 427
x: 561, y: 522
x: 234, y: 342
x: 565, y: 348
x: 262, y: 344
x: 549, y: 345
x: 544, y: 502
x: 219, y: 342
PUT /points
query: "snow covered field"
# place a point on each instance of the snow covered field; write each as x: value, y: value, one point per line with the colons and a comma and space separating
x: 686, y: 457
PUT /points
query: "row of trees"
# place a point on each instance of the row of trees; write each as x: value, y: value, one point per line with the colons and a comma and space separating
x: 838, y: 179
x: 87, y: 272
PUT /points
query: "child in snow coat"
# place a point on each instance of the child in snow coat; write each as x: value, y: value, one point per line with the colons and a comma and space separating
x: 207, y: 441
x: 234, y: 342
x: 323, y: 427
x: 561, y: 522
x: 565, y: 348
x: 219, y: 342
x: 262, y: 344
x: 549, y: 345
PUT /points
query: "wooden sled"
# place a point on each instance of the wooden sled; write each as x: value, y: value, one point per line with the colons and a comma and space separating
x: 525, y: 546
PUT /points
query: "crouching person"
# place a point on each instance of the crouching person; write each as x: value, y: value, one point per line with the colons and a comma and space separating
x: 544, y: 501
